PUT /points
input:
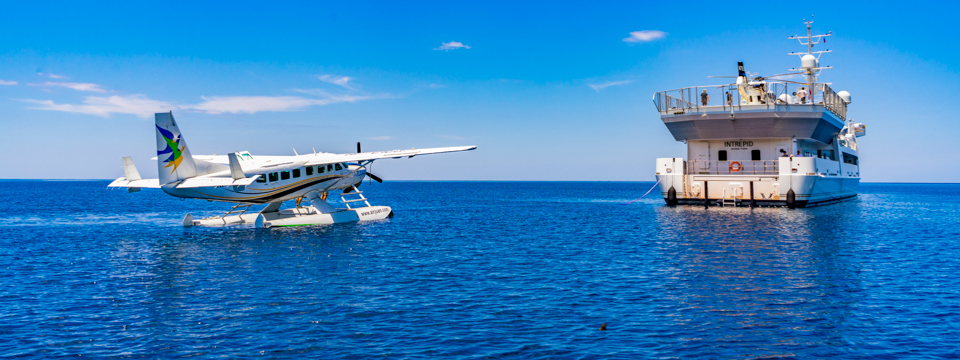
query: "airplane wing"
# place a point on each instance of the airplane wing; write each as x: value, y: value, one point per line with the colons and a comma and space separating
x: 322, y: 159
x: 140, y: 183
x: 202, y: 181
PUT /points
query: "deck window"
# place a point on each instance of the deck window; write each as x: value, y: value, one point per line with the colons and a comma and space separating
x: 296, y: 172
x: 274, y: 177
x: 320, y: 169
x: 309, y: 170
x: 339, y: 167
x: 285, y: 175
x: 755, y: 155
x: 262, y: 179
x: 850, y: 159
x: 329, y: 167
x: 722, y: 155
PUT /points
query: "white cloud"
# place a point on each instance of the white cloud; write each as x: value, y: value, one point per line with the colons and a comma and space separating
x: 341, y: 80
x: 55, y: 76
x: 255, y: 104
x: 380, y: 138
x: 137, y: 104
x: 76, y: 86
x: 453, y: 45
x: 140, y: 105
x: 607, y: 84
x: 5, y: 82
x: 644, y: 36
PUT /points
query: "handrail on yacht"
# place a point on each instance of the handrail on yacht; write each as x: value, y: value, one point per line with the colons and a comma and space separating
x: 777, y: 93
x: 747, y: 167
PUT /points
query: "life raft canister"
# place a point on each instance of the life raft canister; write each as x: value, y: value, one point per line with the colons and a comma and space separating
x: 735, y: 166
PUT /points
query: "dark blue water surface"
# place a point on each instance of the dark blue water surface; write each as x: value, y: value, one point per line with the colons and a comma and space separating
x: 478, y: 270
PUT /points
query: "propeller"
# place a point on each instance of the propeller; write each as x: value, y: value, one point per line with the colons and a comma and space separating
x: 372, y: 176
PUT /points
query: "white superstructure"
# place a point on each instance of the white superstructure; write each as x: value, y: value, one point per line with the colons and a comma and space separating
x: 762, y: 141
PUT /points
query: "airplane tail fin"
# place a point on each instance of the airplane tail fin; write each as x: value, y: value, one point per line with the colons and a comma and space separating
x: 174, y: 161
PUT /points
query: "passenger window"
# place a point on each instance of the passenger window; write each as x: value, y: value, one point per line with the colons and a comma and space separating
x: 309, y: 170
x: 296, y: 172
x: 329, y: 167
x: 285, y: 175
x: 262, y: 179
x: 722, y: 155
x: 339, y: 167
x: 320, y: 169
x: 274, y: 177
x: 755, y: 155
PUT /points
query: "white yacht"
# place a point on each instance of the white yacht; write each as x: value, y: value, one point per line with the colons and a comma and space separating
x: 762, y: 141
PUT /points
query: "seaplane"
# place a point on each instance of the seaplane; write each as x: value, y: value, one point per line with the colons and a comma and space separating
x: 246, y: 180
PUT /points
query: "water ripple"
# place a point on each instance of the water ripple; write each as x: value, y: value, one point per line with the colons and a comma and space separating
x: 467, y: 270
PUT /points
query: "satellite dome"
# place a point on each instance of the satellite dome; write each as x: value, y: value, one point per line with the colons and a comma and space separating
x: 845, y: 95
x: 808, y: 61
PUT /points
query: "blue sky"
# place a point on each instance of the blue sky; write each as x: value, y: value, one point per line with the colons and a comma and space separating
x: 548, y: 90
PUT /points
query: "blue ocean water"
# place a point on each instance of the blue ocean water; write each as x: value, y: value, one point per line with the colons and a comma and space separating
x: 481, y: 270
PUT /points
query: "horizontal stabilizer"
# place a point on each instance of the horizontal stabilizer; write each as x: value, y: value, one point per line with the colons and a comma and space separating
x: 140, y: 183
x: 322, y: 159
x: 129, y: 170
x: 198, y: 182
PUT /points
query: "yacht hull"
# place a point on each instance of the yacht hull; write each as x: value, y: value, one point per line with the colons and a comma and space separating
x: 812, y: 182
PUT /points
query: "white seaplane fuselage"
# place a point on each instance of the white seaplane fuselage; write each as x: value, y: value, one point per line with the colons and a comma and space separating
x: 278, y: 178
x: 248, y: 180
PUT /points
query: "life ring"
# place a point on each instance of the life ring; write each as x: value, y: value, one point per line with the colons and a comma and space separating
x: 737, y: 169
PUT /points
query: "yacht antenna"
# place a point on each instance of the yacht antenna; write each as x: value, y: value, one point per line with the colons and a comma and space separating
x: 810, y: 61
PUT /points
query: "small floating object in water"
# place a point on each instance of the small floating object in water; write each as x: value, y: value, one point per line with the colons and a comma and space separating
x: 603, y: 327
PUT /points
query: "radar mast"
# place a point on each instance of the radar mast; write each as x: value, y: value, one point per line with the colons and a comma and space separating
x: 810, y: 61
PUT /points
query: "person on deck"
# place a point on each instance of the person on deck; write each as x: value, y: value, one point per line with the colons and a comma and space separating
x: 704, y: 97
x: 783, y: 153
x: 729, y: 99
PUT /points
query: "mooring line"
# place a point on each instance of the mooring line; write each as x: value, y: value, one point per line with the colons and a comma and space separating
x: 645, y: 194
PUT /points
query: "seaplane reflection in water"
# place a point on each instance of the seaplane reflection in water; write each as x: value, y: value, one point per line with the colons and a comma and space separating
x: 247, y: 180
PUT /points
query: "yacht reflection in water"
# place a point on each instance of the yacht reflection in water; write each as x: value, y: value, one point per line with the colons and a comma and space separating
x: 739, y: 278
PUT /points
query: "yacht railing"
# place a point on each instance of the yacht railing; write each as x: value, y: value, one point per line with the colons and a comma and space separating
x: 677, y: 101
x: 746, y: 167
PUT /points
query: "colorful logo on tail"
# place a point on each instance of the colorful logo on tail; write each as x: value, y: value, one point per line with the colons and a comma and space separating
x: 173, y: 148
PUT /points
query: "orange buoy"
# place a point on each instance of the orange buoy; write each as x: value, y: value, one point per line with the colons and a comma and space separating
x: 737, y: 168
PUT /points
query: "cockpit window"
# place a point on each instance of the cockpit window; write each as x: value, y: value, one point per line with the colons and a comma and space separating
x: 339, y: 167
x: 262, y: 178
